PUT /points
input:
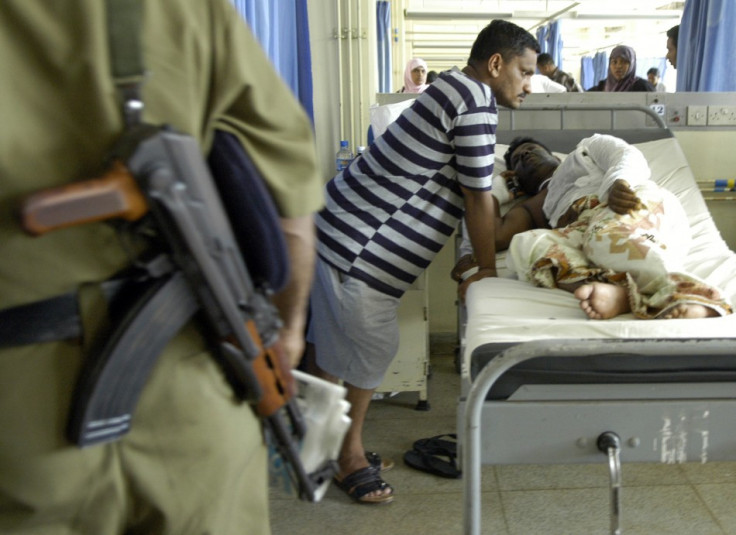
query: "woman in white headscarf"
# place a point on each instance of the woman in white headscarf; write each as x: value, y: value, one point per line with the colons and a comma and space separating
x: 415, y: 76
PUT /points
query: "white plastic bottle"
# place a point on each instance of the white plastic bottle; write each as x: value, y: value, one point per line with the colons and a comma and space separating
x: 344, y: 156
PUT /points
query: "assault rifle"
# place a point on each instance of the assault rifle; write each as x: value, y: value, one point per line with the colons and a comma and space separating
x: 159, y: 177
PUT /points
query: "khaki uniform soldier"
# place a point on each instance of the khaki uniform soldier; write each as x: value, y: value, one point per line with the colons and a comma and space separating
x: 195, y: 460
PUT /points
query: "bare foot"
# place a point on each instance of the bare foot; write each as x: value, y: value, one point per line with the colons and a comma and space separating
x: 689, y: 311
x: 601, y: 301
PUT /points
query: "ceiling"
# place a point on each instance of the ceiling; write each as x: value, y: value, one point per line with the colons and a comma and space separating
x: 442, y: 31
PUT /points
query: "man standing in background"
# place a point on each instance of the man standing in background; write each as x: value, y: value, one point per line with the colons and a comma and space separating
x: 547, y: 67
x: 653, y: 77
x: 672, y: 35
x: 391, y: 211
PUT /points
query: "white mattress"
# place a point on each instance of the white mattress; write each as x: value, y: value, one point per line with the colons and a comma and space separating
x: 501, y: 310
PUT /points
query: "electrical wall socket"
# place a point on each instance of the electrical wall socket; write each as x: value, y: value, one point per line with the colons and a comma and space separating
x: 697, y: 115
x: 676, y: 115
x: 722, y: 115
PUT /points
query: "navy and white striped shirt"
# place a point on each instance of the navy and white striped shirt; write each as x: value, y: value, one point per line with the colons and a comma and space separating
x: 390, y: 212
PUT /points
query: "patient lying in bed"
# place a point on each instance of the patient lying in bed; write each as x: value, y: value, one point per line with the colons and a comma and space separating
x: 618, y: 240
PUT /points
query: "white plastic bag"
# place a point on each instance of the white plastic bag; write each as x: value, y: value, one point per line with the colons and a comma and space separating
x: 324, y: 409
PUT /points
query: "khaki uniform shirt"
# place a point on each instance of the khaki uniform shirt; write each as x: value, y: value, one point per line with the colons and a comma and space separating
x: 60, y: 115
x: 194, y: 460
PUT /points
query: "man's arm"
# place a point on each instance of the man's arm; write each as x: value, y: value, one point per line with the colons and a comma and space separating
x: 522, y: 217
x: 292, y: 300
x: 622, y: 199
x: 480, y: 219
x: 254, y: 103
x: 618, y: 160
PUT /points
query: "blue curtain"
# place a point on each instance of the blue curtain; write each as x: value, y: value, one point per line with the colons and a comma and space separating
x: 587, y: 73
x: 383, y: 36
x: 600, y: 67
x: 555, y: 41
x: 550, y: 41
x: 706, y: 45
x: 282, y: 28
x: 542, y: 32
x: 595, y: 69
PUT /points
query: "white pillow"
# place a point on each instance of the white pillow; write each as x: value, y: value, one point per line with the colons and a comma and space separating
x: 382, y: 116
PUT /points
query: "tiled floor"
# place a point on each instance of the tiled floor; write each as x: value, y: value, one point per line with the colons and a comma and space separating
x: 690, y: 499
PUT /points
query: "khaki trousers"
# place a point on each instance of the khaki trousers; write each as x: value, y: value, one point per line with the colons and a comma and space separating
x: 193, y: 463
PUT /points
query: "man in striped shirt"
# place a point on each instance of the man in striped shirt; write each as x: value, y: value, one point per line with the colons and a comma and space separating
x: 391, y: 211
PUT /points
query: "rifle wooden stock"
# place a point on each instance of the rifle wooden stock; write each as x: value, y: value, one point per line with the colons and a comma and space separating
x: 273, y: 373
x: 115, y: 194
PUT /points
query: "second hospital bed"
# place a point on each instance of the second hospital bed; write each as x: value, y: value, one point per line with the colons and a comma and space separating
x: 543, y: 384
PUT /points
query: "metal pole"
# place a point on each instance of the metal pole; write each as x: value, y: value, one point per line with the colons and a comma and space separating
x: 610, y: 444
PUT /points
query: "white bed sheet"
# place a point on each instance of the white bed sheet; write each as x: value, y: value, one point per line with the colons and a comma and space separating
x: 503, y: 310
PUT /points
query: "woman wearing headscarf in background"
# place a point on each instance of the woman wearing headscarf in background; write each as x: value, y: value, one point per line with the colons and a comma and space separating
x: 622, y: 73
x: 415, y: 76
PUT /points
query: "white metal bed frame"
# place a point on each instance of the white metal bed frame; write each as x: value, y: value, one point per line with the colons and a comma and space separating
x: 646, y: 422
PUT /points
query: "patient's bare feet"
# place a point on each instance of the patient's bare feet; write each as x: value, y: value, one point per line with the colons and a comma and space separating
x: 601, y: 301
x: 689, y: 311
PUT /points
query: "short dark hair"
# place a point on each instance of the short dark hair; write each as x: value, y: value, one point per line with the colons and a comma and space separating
x: 516, y: 143
x: 545, y: 59
x: 654, y: 71
x: 673, y: 33
x: 431, y: 76
x: 501, y: 37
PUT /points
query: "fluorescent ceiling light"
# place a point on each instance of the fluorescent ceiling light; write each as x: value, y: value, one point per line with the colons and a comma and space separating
x: 416, y: 14
x: 628, y: 16
x: 419, y: 14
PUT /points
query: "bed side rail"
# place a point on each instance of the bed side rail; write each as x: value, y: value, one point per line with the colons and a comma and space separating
x: 561, y: 127
x: 613, y: 110
x: 564, y: 348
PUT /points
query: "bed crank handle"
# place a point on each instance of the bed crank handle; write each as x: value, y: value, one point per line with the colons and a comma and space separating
x: 610, y: 444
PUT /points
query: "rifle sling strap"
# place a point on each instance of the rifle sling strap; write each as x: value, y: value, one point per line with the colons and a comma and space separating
x: 48, y: 320
x: 124, y: 27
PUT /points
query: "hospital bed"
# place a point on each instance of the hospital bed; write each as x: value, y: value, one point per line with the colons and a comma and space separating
x: 543, y: 384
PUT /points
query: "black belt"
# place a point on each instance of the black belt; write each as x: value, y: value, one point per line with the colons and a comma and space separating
x: 49, y: 320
